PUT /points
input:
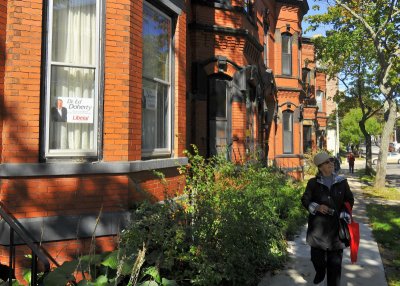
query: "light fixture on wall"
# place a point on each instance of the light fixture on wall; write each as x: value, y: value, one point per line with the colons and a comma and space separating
x: 287, y: 27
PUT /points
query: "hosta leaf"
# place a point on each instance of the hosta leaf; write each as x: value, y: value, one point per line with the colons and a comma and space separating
x: 153, y: 272
x: 101, y: 281
x: 61, y: 275
x: 148, y: 283
x: 166, y: 282
x: 111, y: 260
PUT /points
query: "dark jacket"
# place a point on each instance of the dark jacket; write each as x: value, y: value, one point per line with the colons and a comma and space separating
x: 323, y: 229
x: 57, y: 117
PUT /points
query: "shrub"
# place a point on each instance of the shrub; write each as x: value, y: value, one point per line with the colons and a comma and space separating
x: 229, y: 227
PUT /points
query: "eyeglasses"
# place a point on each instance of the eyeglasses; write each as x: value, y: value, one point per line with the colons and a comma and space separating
x: 330, y: 160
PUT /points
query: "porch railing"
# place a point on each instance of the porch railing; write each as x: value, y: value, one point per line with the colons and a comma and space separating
x: 38, y: 255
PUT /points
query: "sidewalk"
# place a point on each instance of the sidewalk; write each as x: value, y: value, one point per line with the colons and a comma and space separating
x: 368, y: 271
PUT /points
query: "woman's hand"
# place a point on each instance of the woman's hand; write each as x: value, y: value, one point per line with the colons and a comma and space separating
x: 324, y: 209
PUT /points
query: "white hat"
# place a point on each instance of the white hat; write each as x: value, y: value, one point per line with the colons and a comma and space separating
x: 321, y: 158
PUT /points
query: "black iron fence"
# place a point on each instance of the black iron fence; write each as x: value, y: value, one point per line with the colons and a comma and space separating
x: 38, y: 255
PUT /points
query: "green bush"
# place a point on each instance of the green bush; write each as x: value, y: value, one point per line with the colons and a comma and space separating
x: 229, y: 227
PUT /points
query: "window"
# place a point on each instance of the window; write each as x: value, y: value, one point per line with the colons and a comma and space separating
x: 265, y: 55
x: 286, y: 54
x: 299, y: 61
x: 218, y: 117
x: 287, y: 118
x: 319, y: 98
x: 307, y: 139
x: 156, y: 99
x: 248, y: 7
x: 72, y: 77
x: 306, y: 78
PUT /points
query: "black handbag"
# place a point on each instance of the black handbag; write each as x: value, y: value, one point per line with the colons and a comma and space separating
x: 344, y: 233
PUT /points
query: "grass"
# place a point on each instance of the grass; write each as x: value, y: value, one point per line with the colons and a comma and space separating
x: 383, y: 193
x: 385, y: 221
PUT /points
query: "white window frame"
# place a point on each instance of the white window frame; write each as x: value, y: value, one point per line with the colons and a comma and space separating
x: 94, y: 152
x: 167, y: 151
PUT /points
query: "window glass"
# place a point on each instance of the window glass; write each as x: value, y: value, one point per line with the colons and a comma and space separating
x: 307, y: 142
x: 72, y: 73
x: 286, y: 54
x: 218, y: 99
x: 265, y: 55
x: 319, y: 98
x: 156, y: 99
x: 287, y: 118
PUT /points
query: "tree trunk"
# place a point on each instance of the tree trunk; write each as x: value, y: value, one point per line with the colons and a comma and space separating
x: 390, y: 120
x: 368, y: 150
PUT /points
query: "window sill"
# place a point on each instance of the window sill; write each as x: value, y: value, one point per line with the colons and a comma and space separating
x: 10, y: 170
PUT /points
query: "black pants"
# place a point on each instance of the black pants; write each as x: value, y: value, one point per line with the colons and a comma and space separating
x: 329, y: 261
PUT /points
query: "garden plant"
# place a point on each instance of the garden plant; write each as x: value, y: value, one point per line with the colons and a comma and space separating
x: 229, y: 226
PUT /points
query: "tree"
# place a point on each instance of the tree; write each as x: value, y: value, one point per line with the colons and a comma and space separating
x: 364, y: 46
x: 351, y: 133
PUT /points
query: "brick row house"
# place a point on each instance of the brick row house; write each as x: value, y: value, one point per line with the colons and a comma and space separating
x: 96, y: 94
x: 254, y: 88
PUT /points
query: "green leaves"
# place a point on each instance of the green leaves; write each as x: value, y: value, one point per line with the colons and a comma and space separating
x: 61, y: 275
x: 350, y: 130
x: 228, y: 228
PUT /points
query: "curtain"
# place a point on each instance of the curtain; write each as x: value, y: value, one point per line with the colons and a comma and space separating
x: 73, y: 43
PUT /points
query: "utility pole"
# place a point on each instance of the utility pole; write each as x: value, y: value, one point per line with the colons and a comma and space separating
x: 337, y: 146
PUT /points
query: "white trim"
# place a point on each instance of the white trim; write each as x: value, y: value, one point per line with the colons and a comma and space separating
x: 172, y: 6
x: 167, y: 151
x: 48, y: 153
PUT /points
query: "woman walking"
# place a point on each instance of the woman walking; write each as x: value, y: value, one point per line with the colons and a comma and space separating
x: 324, y: 198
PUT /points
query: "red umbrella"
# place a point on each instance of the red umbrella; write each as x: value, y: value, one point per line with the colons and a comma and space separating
x: 354, y: 230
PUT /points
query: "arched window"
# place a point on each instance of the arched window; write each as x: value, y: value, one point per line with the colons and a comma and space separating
x: 286, y: 54
x: 287, y: 120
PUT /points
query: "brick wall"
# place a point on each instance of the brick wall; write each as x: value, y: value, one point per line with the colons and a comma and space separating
x: 20, y: 134
x: 180, y: 86
x: 119, y: 98
x: 3, y: 22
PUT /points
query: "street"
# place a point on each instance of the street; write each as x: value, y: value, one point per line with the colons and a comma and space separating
x: 393, y: 175
x: 392, y: 172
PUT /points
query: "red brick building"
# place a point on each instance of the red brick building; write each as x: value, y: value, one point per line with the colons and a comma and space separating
x: 93, y: 99
x: 95, y: 95
x: 253, y: 82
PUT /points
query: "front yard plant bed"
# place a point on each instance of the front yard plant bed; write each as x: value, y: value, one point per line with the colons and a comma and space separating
x: 228, y: 227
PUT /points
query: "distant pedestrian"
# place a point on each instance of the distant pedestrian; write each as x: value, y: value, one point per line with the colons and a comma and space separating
x: 350, y: 160
x: 337, y: 164
x: 324, y: 198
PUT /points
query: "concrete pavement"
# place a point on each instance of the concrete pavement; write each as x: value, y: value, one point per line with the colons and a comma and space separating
x: 368, y: 271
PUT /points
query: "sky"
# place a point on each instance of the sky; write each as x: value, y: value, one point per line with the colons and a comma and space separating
x: 323, y: 8
x: 321, y: 30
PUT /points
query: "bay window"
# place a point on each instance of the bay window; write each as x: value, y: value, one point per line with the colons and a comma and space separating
x: 156, y: 97
x: 72, y: 78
